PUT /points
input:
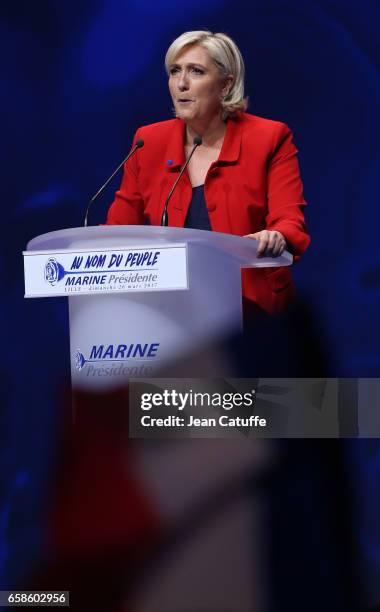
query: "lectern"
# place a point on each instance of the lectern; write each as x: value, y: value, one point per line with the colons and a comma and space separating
x: 140, y: 296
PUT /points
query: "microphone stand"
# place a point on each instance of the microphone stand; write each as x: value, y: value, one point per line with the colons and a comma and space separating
x: 165, y: 219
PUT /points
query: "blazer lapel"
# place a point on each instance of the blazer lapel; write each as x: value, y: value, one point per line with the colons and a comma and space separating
x: 230, y: 150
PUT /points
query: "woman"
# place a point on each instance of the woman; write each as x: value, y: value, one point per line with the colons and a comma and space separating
x: 244, y: 178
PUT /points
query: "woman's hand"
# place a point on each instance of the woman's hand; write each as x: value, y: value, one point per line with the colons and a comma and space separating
x: 271, y: 243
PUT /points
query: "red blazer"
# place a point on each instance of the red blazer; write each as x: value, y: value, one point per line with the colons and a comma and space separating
x: 254, y: 184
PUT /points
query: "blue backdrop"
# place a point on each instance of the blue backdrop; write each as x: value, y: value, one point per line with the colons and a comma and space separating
x: 79, y: 78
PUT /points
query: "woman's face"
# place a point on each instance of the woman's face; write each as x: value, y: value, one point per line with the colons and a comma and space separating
x: 195, y: 85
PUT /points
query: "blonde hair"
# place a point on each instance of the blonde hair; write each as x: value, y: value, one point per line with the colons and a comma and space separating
x: 225, y: 54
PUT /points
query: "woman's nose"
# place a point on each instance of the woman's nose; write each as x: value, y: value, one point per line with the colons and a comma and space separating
x: 183, y: 82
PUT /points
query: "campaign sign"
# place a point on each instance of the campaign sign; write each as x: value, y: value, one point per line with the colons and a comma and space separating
x: 52, y: 273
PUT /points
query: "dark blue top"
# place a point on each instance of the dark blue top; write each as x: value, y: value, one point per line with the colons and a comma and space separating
x: 197, y: 216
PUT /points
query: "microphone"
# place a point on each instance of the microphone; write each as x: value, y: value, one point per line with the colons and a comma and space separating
x: 165, y: 219
x: 138, y: 144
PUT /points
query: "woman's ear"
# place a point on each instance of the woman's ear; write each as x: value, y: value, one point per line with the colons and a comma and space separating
x: 227, y: 85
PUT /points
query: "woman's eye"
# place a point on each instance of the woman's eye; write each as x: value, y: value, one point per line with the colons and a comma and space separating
x: 174, y: 70
x: 198, y: 70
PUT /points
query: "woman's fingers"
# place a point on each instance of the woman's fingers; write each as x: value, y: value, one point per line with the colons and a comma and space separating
x: 279, y: 246
x: 271, y: 243
x: 263, y: 243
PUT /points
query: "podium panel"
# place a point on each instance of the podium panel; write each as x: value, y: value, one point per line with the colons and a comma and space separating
x: 118, y: 335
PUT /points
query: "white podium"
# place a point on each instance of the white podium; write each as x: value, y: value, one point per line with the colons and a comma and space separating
x: 140, y: 296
